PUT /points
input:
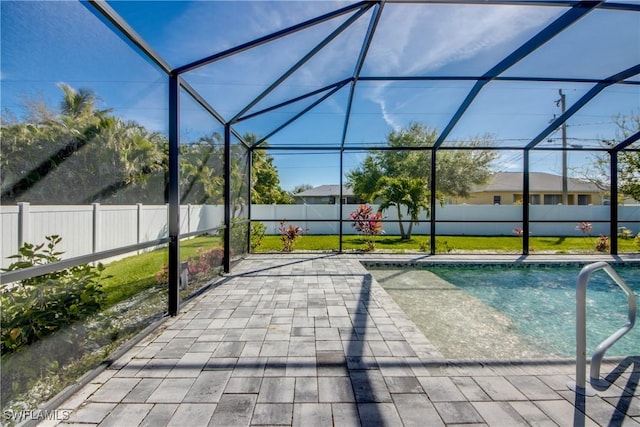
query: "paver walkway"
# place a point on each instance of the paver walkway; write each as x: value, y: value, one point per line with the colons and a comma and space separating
x: 314, y: 341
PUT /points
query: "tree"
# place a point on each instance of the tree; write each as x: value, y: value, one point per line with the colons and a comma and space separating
x: 202, y: 170
x: 628, y: 161
x: 301, y: 188
x: 80, y: 154
x: 598, y: 171
x: 401, y: 177
x: 265, y: 182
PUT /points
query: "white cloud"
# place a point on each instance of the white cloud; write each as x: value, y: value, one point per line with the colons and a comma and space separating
x: 421, y: 40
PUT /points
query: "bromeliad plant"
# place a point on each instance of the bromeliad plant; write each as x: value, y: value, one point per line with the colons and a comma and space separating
x: 367, y: 223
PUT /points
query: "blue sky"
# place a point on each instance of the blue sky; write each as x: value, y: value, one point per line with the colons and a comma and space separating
x: 46, y: 43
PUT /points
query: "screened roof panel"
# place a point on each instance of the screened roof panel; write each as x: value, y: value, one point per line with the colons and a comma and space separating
x: 269, y: 122
x: 185, y: 31
x: 452, y: 45
x: 320, y: 127
x: 333, y: 63
x: 601, y: 44
x: 196, y: 123
x: 600, y: 119
x: 464, y: 40
x: 46, y: 44
x: 381, y: 106
x: 512, y: 113
x: 234, y: 82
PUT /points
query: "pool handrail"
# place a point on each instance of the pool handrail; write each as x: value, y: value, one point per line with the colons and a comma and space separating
x: 581, y: 326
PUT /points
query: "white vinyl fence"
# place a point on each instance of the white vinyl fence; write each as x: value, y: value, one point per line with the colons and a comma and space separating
x: 93, y: 228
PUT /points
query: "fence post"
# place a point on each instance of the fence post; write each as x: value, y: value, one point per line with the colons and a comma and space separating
x: 304, y: 215
x: 24, y: 229
x: 139, y: 224
x: 189, y: 218
x: 97, y: 227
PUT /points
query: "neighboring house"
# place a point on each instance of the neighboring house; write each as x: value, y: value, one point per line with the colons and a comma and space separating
x: 326, y: 195
x: 505, y: 188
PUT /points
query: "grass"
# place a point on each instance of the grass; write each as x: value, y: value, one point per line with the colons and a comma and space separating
x: 129, y: 276
x: 126, y: 277
x: 508, y: 244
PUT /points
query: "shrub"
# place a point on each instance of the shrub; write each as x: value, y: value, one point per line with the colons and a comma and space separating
x: 289, y: 235
x: 624, y: 233
x: 36, y: 307
x: 257, y: 234
x: 585, y: 227
x: 370, y: 225
x: 198, y: 267
x: 602, y: 244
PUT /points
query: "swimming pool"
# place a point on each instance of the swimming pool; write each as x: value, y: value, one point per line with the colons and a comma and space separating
x: 511, y: 313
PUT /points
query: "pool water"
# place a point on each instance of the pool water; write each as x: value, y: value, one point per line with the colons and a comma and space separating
x: 501, y: 312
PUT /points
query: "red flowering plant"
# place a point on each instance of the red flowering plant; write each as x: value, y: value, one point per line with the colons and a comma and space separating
x: 198, y: 267
x: 367, y: 223
x: 289, y: 235
x: 585, y: 227
x: 602, y: 243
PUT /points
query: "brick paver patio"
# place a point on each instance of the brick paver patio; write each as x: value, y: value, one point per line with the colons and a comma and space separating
x: 313, y: 340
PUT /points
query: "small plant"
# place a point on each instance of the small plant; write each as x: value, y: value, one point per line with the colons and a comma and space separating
x: 442, y: 246
x: 289, y: 235
x: 585, y: 227
x: 602, y: 244
x: 624, y: 233
x: 36, y: 307
x: 239, y: 230
x: 367, y: 223
x: 257, y: 234
x: 518, y: 231
x: 636, y: 240
x: 198, y: 267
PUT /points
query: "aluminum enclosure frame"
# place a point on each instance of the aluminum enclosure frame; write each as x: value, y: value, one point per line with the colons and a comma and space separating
x: 353, y: 12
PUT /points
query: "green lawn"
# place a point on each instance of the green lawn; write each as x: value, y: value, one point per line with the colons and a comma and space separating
x: 510, y: 244
x: 131, y: 275
x: 128, y: 276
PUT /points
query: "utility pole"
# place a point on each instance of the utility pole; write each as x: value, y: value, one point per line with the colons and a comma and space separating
x: 562, y: 103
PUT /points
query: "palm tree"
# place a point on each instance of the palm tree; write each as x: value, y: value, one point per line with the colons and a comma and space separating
x: 411, y: 193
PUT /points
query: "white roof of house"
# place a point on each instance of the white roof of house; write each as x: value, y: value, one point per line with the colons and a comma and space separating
x: 326, y: 190
x: 538, y: 181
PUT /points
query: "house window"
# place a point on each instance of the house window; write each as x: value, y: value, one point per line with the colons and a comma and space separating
x: 584, y: 199
x: 496, y: 200
x: 534, y: 199
x: 552, y: 199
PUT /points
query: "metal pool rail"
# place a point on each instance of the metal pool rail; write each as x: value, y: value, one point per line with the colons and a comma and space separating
x: 581, y: 328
